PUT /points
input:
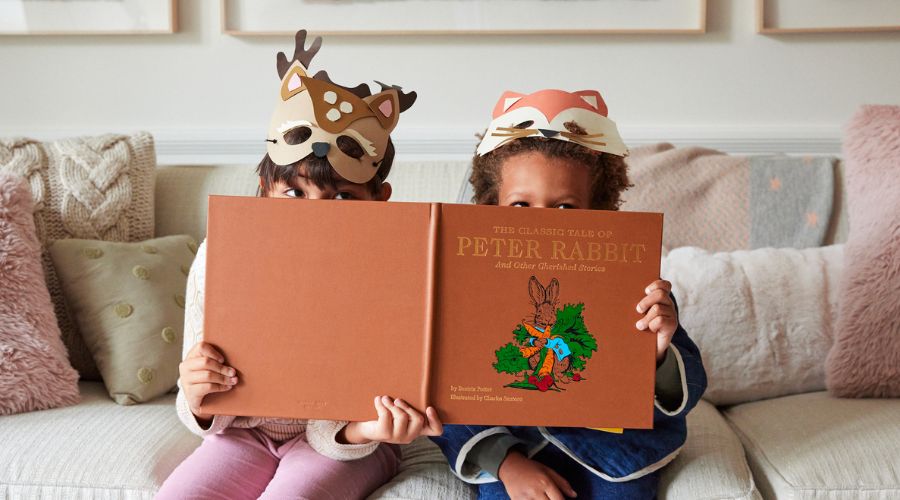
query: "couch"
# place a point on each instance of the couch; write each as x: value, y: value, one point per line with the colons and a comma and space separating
x: 799, y: 446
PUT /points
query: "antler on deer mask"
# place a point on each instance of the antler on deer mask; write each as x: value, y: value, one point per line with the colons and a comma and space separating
x: 313, y: 115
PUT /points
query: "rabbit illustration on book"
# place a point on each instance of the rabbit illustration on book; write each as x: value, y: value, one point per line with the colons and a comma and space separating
x: 551, y: 349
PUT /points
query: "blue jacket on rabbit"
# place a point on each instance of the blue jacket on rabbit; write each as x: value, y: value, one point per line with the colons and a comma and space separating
x: 614, y: 457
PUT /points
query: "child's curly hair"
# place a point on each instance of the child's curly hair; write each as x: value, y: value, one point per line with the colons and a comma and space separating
x: 609, y: 172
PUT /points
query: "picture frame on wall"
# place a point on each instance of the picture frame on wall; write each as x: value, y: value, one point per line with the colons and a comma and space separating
x: 462, y: 17
x: 88, y: 17
x: 776, y: 17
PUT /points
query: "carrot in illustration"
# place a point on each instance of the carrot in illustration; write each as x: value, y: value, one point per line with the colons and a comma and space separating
x: 553, y: 346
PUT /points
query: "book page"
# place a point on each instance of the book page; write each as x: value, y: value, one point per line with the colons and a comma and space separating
x: 535, y: 317
x: 319, y: 305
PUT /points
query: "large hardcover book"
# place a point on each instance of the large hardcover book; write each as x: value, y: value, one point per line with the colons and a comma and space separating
x: 493, y: 315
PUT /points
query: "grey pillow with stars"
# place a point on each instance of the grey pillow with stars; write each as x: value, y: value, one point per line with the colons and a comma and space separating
x: 128, y: 301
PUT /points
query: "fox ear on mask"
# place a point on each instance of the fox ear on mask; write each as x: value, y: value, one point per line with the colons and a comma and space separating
x: 594, y: 99
x: 386, y: 107
x: 506, y: 101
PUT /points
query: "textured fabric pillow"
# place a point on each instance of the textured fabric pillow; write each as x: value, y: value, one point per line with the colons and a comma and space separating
x: 763, y: 319
x: 34, y: 370
x: 865, y: 359
x: 92, y: 188
x: 722, y: 202
x: 128, y: 301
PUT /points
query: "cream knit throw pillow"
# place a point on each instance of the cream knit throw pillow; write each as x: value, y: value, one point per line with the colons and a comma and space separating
x: 90, y: 188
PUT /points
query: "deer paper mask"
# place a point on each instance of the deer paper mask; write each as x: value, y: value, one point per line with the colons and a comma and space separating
x: 545, y: 114
x: 348, y: 126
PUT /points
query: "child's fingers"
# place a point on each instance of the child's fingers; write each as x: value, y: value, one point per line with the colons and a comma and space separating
x: 657, y: 296
x: 656, y: 311
x: 400, y: 417
x: 659, y: 285
x: 204, y: 349
x: 206, y: 376
x: 380, y: 409
x: 208, y: 388
x: 664, y: 326
x: 203, y: 363
x: 433, y: 426
x: 561, y: 482
x: 416, y: 420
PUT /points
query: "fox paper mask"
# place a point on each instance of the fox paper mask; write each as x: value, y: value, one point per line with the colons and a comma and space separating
x: 545, y: 113
x: 348, y: 126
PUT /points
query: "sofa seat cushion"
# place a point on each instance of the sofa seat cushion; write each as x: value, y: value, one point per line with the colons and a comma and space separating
x: 813, y: 446
x: 424, y: 473
x: 96, y: 449
x: 99, y: 449
x: 711, y: 464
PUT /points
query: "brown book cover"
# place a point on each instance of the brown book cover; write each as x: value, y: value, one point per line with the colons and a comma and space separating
x: 493, y: 315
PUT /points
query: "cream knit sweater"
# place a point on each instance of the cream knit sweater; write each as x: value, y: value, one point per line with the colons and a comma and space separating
x: 320, y: 434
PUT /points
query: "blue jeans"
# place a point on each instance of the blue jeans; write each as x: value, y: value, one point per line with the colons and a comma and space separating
x: 587, y: 484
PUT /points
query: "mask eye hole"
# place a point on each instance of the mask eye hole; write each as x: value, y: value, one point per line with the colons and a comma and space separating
x: 350, y: 147
x: 524, y: 125
x: 297, y: 135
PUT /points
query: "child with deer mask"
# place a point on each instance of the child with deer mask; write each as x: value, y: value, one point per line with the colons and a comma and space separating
x: 556, y: 149
x: 324, y: 141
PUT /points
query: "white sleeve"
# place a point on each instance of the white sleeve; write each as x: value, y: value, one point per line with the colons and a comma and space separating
x: 322, y: 437
x: 193, y: 333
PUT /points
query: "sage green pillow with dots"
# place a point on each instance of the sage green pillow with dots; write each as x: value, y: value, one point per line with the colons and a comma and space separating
x: 128, y: 302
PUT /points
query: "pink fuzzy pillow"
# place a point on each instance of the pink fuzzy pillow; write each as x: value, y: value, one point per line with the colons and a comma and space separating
x: 865, y: 358
x: 35, y: 373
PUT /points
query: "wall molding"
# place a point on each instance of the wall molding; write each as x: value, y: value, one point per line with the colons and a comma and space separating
x: 199, y: 146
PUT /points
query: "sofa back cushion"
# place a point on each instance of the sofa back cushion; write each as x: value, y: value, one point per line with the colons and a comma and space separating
x: 724, y: 202
x: 181, y: 191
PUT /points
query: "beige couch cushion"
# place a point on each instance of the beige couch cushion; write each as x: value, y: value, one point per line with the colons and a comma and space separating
x: 96, y: 449
x: 813, y: 446
x: 99, y: 449
x: 711, y: 464
x: 181, y: 195
x: 181, y: 191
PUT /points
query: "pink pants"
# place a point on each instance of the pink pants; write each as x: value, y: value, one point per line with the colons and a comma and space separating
x: 245, y: 463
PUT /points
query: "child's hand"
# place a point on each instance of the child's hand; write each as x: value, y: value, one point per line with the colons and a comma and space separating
x: 202, y: 372
x: 660, y: 317
x: 397, y: 423
x: 526, y: 478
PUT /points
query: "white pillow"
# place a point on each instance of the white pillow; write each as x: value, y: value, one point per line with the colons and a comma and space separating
x: 762, y: 318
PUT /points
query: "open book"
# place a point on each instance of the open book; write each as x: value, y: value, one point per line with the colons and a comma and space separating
x: 493, y: 315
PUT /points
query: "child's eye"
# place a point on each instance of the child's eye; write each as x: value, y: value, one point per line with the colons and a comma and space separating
x: 344, y: 195
x: 520, y: 204
x: 293, y: 193
x: 565, y: 205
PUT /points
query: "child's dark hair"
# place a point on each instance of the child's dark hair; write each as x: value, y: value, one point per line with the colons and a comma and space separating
x: 319, y: 171
x: 609, y: 175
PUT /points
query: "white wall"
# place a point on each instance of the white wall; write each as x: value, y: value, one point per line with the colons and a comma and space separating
x: 203, y: 92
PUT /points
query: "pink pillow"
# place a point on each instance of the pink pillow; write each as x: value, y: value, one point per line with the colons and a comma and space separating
x: 865, y: 358
x: 35, y: 373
